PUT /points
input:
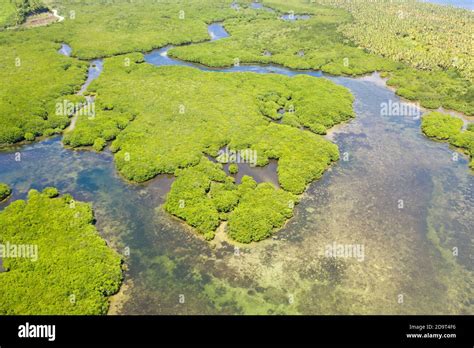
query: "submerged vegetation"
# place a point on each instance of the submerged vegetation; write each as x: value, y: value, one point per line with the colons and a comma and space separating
x: 164, y: 120
x: 64, y: 267
x: 204, y: 196
x: 201, y: 112
x: 449, y: 128
x: 5, y: 191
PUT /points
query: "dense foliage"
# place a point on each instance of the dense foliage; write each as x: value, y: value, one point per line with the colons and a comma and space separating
x: 37, y: 76
x: 25, y: 8
x: 166, y: 118
x: 7, y: 14
x: 260, y: 211
x: 233, y: 168
x: 189, y: 200
x: 163, y: 120
x: 425, y: 36
x: 449, y: 128
x: 305, y: 44
x: 204, y: 196
x: 34, y: 78
x: 5, y: 191
x: 15, y: 11
x: 104, y: 28
x: 435, y: 71
x: 75, y: 270
x: 434, y: 43
x: 440, y: 126
x: 434, y: 89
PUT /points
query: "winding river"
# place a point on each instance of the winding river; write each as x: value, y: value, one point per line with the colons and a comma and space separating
x: 394, y: 192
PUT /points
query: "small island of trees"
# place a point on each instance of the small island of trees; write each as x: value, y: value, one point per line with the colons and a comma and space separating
x: 73, y: 271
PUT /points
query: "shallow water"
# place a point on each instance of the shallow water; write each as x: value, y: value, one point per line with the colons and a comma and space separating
x: 95, y: 69
x: 216, y: 31
x: 65, y: 50
x: 393, y: 192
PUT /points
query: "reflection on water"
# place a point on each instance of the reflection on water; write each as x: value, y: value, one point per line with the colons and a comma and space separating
x: 160, y: 57
x: 267, y: 173
x: 259, y: 6
x: 95, y: 69
x: 394, y: 192
x: 256, y: 5
x: 217, y: 31
x: 65, y: 50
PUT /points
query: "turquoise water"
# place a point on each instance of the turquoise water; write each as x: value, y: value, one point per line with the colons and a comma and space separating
x: 385, y: 159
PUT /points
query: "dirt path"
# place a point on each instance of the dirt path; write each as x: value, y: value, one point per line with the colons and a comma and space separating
x: 55, y: 14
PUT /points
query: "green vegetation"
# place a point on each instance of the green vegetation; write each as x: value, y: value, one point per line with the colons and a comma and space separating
x: 7, y: 14
x: 306, y: 44
x: 51, y: 192
x: 25, y: 8
x: 201, y: 112
x: 99, y: 144
x: 72, y: 271
x: 97, y: 29
x: 5, y: 191
x: 417, y: 54
x: 188, y: 198
x: 434, y: 43
x: 449, y: 128
x: 164, y: 120
x: 441, y: 126
x: 233, y: 168
x: 38, y: 78
x: 434, y: 89
x: 13, y: 12
x: 204, y: 196
x: 261, y: 209
x: 424, y: 36
x: 465, y: 140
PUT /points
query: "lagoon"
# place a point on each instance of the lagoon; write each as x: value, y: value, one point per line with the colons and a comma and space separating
x: 394, y: 192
